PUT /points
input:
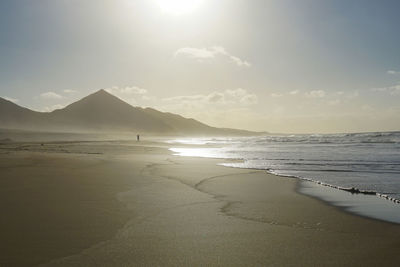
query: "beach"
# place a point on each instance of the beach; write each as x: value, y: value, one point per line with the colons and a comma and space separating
x: 135, y: 204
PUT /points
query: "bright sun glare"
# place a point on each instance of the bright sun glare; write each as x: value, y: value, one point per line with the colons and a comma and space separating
x: 179, y: 7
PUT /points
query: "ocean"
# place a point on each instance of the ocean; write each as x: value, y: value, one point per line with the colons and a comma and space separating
x: 366, y: 165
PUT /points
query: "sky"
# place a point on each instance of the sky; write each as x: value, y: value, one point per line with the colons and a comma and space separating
x: 284, y: 66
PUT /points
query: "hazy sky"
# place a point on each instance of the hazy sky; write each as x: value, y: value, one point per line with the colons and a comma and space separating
x: 274, y: 65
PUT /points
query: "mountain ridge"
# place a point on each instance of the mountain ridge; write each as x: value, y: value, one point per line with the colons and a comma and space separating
x: 102, y: 111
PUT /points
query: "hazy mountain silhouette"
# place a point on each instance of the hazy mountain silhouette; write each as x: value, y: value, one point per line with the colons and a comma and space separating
x: 14, y: 116
x: 102, y: 111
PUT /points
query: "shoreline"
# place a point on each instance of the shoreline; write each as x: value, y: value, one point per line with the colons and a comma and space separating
x: 180, y: 209
x: 367, y: 206
x: 347, y: 207
x: 356, y: 207
x: 359, y: 207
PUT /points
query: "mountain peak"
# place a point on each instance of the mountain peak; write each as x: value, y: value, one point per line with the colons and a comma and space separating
x: 98, y: 100
x: 101, y: 92
x: 102, y: 95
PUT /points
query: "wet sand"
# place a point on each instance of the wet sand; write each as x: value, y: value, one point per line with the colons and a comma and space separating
x: 120, y: 204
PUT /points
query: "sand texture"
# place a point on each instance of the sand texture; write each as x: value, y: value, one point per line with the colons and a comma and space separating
x: 124, y: 204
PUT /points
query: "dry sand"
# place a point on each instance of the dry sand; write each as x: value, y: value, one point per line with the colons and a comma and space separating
x: 120, y: 204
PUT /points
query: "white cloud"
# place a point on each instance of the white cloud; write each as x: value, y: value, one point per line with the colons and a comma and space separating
x: 353, y: 94
x: 222, y: 108
x: 50, y: 95
x: 340, y: 95
x: 393, y: 90
x: 14, y: 100
x: 228, y: 97
x: 291, y: 93
x: 53, y: 107
x: 393, y: 72
x: 236, y: 93
x: 190, y: 98
x: 249, y: 99
x: 381, y: 89
x: 69, y: 91
x: 240, y: 62
x: 316, y: 94
x: 128, y: 90
x: 131, y: 94
x: 216, y: 97
x: 210, y: 53
x: 197, y: 53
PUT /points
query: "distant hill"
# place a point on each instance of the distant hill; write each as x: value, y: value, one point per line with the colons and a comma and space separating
x: 14, y: 116
x: 103, y: 112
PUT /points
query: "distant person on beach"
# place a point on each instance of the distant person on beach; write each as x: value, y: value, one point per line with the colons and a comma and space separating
x: 137, y: 137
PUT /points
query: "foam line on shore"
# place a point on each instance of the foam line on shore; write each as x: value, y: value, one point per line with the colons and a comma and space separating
x: 352, y: 190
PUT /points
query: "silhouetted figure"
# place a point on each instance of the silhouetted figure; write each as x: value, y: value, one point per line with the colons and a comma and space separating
x: 137, y: 137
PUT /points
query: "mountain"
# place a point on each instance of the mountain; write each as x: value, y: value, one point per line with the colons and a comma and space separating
x: 14, y: 116
x: 103, y: 112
